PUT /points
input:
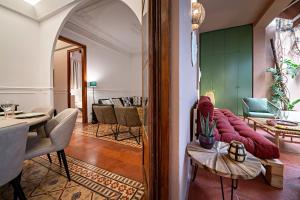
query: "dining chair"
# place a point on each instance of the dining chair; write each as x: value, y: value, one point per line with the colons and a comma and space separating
x: 12, y: 152
x: 48, y: 111
x: 129, y: 117
x: 105, y: 114
x: 60, y: 129
x: 40, y: 131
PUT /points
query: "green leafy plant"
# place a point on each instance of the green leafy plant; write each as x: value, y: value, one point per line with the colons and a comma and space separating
x: 292, y: 104
x: 207, y: 129
x: 278, y: 87
x: 291, y: 68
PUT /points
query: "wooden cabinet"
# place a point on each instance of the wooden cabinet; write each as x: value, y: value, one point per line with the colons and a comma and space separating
x: 226, y: 66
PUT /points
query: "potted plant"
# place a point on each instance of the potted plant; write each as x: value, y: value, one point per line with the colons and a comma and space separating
x: 206, y: 136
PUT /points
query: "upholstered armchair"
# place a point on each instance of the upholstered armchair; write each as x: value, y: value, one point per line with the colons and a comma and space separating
x: 60, y: 130
x: 129, y: 117
x: 259, y: 107
x: 105, y: 114
x: 12, y: 151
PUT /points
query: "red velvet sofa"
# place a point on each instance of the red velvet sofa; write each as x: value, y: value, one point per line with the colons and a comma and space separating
x: 231, y: 127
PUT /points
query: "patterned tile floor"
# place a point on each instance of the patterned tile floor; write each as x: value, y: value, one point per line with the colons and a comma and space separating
x: 90, y: 131
x: 44, y: 181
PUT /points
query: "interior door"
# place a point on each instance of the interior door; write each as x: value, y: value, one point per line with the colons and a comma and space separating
x: 226, y: 66
x: 146, y: 100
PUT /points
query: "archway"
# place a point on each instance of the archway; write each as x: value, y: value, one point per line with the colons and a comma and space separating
x: 61, y: 20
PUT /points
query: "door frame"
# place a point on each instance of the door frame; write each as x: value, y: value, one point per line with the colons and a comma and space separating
x: 159, y: 96
x: 84, y: 75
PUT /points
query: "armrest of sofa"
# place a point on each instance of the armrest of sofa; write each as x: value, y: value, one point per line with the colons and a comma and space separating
x: 273, y: 108
x: 245, y: 108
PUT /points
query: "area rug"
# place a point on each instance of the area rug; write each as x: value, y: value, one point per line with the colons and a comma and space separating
x: 104, y: 129
x: 42, y: 181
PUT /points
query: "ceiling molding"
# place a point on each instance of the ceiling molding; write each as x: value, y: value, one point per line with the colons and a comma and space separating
x: 94, y: 37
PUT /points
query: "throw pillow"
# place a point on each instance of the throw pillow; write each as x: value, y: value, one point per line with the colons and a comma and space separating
x: 126, y: 101
x: 116, y: 102
x: 137, y: 101
x: 257, y: 104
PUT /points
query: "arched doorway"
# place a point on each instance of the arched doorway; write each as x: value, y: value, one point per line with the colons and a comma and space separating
x: 158, y: 86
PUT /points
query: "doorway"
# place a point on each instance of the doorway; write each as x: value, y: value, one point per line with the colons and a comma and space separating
x: 69, y: 77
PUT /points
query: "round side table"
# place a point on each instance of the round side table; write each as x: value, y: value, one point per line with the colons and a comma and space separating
x: 217, y: 161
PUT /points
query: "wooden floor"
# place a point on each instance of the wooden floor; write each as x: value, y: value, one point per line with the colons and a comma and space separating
x: 117, y: 158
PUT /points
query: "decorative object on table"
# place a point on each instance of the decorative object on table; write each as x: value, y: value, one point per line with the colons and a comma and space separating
x: 93, y: 84
x: 29, y: 115
x: 274, y: 122
x: 206, y: 136
x: 198, y: 15
x: 237, y: 151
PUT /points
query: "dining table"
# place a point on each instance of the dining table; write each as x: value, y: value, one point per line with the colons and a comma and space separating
x: 32, y: 121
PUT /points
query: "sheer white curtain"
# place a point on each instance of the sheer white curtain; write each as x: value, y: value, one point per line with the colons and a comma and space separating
x: 76, y: 70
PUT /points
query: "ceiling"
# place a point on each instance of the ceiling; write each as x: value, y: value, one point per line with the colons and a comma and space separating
x: 63, y: 45
x: 109, y: 22
x: 222, y: 14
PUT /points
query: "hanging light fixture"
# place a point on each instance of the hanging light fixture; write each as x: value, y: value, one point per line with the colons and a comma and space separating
x: 198, y: 15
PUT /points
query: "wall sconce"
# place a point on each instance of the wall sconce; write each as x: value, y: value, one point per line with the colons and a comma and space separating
x: 198, y: 15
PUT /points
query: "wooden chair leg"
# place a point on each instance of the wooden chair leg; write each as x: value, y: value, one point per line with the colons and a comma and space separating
x: 59, y: 158
x: 18, y: 191
x: 63, y: 157
x: 49, y: 158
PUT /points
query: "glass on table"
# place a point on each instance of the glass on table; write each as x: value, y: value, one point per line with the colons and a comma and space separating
x: 6, y: 106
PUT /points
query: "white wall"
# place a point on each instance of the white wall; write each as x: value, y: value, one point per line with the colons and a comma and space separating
x: 21, y: 77
x: 26, y: 48
x: 183, y: 96
x: 117, y: 74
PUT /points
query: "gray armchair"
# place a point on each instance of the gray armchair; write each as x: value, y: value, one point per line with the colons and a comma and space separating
x: 259, y: 107
x: 60, y: 130
x: 105, y: 114
x: 12, y: 152
x: 129, y: 117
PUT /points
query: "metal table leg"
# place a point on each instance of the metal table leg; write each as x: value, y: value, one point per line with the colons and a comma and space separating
x: 234, y: 186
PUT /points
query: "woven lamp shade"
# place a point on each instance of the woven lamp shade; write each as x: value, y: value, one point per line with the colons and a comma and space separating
x: 198, y: 15
x: 237, y: 151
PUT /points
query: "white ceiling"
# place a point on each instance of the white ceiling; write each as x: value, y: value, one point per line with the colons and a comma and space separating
x: 229, y: 13
x: 108, y: 22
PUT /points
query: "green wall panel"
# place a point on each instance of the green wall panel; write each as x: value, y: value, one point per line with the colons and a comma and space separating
x: 226, y: 66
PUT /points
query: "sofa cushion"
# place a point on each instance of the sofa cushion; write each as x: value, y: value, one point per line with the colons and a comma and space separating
x: 231, y: 127
x: 261, y: 115
x: 257, y: 104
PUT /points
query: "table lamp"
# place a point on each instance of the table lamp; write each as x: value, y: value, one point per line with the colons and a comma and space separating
x: 211, y: 95
x: 93, y: 84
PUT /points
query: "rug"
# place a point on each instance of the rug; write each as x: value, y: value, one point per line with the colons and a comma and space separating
x: 44, y: 181
x: 104, y: 129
